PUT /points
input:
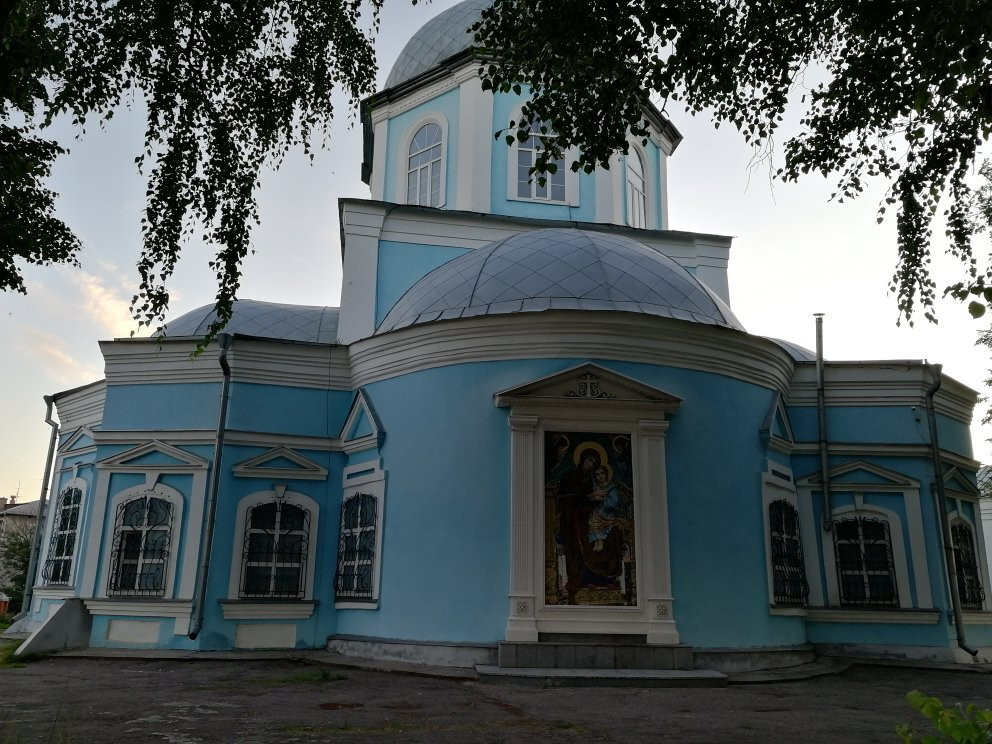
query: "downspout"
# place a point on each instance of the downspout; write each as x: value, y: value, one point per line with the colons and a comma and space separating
x: 821, y: 415
x: 206, y: 542
x: 39, y: 527
x: 950, y: 558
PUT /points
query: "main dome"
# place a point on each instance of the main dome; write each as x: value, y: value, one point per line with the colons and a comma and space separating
x: 307, y: 323
x: 559, y: 269
x: 443, y: 36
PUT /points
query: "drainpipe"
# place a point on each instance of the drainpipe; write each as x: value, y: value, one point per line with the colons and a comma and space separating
x: 950, y: 558
x: 39, y: 527
x: 206, y: 542
x: 821, y: 415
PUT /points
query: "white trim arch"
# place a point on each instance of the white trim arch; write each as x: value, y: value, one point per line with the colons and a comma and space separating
x: 898, y: 544
x: 51, y: 575
x: 279, y: 495
x: 652, y: 219
x: 512, y: 153
x: 171, y: 583
x: 403, y: 156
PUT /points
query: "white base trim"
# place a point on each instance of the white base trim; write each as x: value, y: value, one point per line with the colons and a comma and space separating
x: 899, y: 617
x: 179, y: 610
x: 242, y: 610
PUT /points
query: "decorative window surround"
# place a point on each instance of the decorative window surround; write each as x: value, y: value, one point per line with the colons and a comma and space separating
x: 361, y: 406
x: 160, y: 520
x: 876, y: 479
x: 593, y: 399
x: 404, y: 153
x: 570, y: 194
x: 366, y: 478
x: 279, y: 493
x: 64, y: 528
x: 777, y: 484
x: 179, y: 610
x: 978, y: 545
x: 241, y: 609
x: 94, y: 584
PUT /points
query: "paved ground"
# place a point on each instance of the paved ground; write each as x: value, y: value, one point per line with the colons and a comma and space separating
x: 83, y: 700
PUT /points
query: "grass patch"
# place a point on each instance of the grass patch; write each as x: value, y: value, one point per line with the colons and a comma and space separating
x: 9, y: 661
x: 316, y: 675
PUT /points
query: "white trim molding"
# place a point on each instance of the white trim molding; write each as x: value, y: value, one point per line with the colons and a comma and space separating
x: 404, y: 141
x: 242, y: 609
x: 257, y: 466
x: 889, y: 617
x: 179, y: 610
x: 363, y: 479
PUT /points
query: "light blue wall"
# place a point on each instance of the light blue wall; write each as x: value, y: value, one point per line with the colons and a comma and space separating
x: 161, y: 406
x: 401, y: 265
x: 397, y: 144
x: 503, y: 108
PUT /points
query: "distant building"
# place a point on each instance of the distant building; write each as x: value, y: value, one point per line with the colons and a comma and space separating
x: 534, y: 417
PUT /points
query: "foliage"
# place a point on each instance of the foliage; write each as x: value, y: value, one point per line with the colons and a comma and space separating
x: 229, y: 88
x: 908, y: 95
x: 15, y: 554
x: 969, y: 725
x: 29, y: 229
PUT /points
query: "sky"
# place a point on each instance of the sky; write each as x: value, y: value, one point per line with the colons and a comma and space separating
x: 795, y: 253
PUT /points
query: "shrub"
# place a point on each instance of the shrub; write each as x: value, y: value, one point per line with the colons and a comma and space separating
x: 957, y: 724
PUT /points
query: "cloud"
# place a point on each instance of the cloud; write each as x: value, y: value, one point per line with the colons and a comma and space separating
x: 64, y: 367
x: 107, y: 305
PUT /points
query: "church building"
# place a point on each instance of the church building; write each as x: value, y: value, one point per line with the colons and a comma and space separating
x: 533, y: 423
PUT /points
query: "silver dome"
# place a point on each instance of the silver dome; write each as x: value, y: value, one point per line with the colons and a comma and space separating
x: 443, y: 36
x: 559, y: 269
x: 308, y: 323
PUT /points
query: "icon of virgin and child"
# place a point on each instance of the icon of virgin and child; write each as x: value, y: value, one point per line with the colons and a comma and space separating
x: 589, y: 511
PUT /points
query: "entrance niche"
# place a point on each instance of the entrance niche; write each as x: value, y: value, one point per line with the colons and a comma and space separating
x: 589, y: 548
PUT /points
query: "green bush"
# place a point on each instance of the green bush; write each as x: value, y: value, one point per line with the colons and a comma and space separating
x: 957, y: 724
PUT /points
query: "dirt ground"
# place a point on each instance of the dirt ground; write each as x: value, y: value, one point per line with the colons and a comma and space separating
x: 189, y: 702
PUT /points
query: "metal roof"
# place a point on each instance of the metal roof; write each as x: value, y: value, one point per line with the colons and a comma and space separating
x: 441, y: 37
x: 560, y: 269
x: 308, y: 323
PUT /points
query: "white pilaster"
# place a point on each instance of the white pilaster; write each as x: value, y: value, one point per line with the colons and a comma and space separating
x: 361, y: 227
x: 473, y: 162
x: 656, y: 570
x: 521, y: 625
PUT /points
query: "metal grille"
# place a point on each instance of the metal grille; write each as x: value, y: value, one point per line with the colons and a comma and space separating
x: 140, y: 555
x: 866, y: 573
x: 276, y: 546
x: 62, y: 545
x: 356, y: 549
x: 969, y: 584
x: 788, y: 568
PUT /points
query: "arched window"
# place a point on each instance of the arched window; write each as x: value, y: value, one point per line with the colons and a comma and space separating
x: 62, y: 543
x: 276, y: 549
x: 636, y: 202
x: 357, y: 548
x: 866, y: 572
x: 424, y: 166
x: 140, y: 554
x: 788, y: 568
x: 969, y: 581
x: 528, y: 186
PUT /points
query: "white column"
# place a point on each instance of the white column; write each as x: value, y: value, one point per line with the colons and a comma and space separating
x: 521, y: 625
x: 361, y: 227
x: 473, y: 160
x: 655, y: 568
x: 378, y: 176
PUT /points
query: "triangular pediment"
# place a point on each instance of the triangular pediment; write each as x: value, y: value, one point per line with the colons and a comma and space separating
x: 280, y: 462
x: 955, y: 480
x: 588, y: 384
x: 863, y: 475
x: 362, y: 429
x: 154, y: 456
x: 80, y: 439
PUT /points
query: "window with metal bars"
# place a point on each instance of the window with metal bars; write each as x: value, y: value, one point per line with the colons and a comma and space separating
x: 140, y: 554
x: 969, y: 582
x: 276, y: 548
x: 424, y: 166
x: 866, y: 574
x: 356, y: 549
x: 62, y: 543
x: 788, y: 567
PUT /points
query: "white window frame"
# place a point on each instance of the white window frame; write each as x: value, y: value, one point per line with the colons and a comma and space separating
x: 157, y: 491
x: 571, y: 179
x: 403, y: 156
x: 635, y: 196
x: 957, y: 515
x: 258, y: 498
x: 363, y: 478
x: 53, y: 522
x: 778, y: 484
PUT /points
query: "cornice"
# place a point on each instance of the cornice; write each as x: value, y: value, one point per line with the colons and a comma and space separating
x: 617, y: 336
x: 885, y: 450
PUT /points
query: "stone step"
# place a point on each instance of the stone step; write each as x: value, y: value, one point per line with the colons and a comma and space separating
x: 543, y: 677
x: 543, y: 655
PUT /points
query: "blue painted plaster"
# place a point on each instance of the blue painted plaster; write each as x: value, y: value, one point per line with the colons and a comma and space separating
x: 158, y: 406
x: 277, y: 408
x: 401, y: 265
